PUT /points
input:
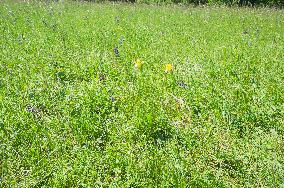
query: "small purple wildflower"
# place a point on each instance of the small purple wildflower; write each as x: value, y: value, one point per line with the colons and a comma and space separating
x: 112, y: 99
x: 182, y: 85
x: 121, y: 40
x: 116, y: 52
x: 33, y: 109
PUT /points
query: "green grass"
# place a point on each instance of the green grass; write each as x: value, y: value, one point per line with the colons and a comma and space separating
x: 73, y: 113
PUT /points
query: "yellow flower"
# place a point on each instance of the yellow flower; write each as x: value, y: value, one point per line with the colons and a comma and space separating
x: 169, y: 68
x: 138, y: 64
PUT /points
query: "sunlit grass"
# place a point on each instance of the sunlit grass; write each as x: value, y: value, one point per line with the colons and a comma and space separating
x: 140, y: 96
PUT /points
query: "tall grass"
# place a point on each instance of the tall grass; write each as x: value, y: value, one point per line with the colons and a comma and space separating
x: 202, y: 107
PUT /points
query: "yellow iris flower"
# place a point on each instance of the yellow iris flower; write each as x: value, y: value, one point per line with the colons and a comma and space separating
x: 138, y: 64
x: 169, y: 68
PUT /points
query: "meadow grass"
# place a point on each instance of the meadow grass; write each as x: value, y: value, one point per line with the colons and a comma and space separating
x: 118, y: 95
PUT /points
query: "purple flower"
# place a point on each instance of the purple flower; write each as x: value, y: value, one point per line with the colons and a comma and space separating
x: 112, y: 99
x: 116, y: 52
x: 121, y: 40
x: 33, y: 109
x: 182, y: 85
